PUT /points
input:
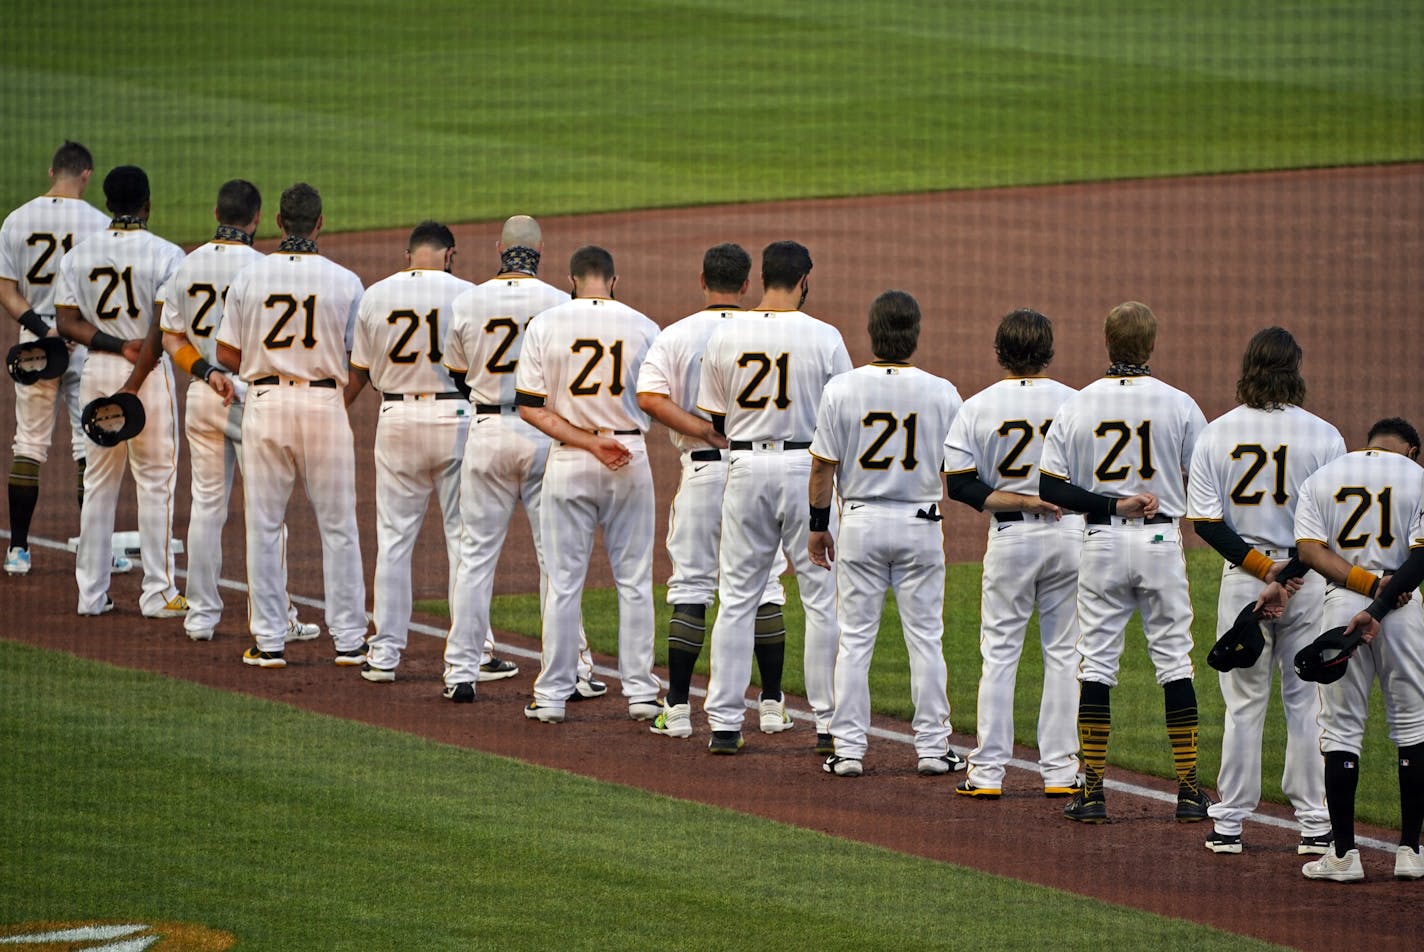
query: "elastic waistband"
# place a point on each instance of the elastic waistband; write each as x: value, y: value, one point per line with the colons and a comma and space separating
x: 488, y: 408
x: 705, y: 456
x: 272, y: 380
x: 397, y: 397
x: 1096, y: 520
x: 771, y: 445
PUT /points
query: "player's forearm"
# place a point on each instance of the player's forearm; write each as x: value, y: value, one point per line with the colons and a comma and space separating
x: 72, y: 326
x: 821, y: 484
x: 556, y: 427
x: 1225, y: 540
x: 230, y: 357
x: 660, y: 407
x: 1336, y: 569
x: 148, y: 354
x: 356, y: 380
x: 13, y: 301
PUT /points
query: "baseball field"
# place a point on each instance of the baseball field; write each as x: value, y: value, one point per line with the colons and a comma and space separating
x: 1233, y: 167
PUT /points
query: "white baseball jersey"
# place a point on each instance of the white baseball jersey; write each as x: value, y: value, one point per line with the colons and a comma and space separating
x: 583, y: 358
x: 765, y: 373
x: 116, y: 278
x: 998, y: 433
x: 673, y: 366
x: 402, y: 330
x: 34, y: 240
x: 1031, y: 563
x: 885, y: 425
x: 1120, y: 436
x: 297, y: 320
x: 1248, y: 467
x: 488, y: 333
x: 1362, y: 507
x: 196, y: 294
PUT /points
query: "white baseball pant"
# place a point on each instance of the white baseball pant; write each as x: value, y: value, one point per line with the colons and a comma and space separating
x: 152, y: 457
x: 1395, y: 656
x: 503, y: 466
x: 883, y: 545
x: 1247, y: 693
x: 580, y: 495
x: 290, y: 433
x: 420, y: 445
x: 1028, y: 562
x: 764, y: 510
x: 1131, y: 566
x: 35, y: 410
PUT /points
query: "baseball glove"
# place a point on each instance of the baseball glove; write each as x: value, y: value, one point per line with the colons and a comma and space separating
x: 1241, y: 645
x: 1325, y: 659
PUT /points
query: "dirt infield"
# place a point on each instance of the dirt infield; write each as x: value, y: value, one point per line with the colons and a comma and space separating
x: 1332, y: 255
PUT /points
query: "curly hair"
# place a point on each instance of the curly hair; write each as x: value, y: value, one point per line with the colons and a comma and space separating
x: 1270, y: 371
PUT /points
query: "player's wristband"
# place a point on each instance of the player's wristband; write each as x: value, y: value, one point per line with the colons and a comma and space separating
x: 1112, y: 506
x: 1361, y: 582
x: 202, y: 369
x: 820, y: 518
x: 186, y: 357
x: 33, y: 323
x: 106, y: 343
x: 1257, y: 564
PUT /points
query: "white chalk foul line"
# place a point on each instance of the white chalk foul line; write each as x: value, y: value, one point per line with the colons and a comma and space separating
x: 900, y: 737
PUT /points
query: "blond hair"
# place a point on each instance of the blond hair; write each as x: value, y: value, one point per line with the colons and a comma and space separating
x: 1131, y: 331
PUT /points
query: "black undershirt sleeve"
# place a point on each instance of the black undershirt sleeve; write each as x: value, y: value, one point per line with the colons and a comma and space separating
x: 967, y: 488
x: 1407, y: 579
x: 1065, y: 495
x: 1223, y: 539
x: 460, y: 384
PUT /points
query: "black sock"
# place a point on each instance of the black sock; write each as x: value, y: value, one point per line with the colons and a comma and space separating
x: 1094, y: 728
x: 770, y: 648
x: 1411, y: 794
x: 1180, y: 699
x: 1342, y: 776
x: 24, y: 494
x: 686, y: 632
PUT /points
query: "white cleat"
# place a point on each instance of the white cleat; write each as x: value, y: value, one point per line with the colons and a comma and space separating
x: 1338, y: 869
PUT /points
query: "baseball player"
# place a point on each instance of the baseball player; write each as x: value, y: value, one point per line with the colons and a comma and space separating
x: 577, y: 383
x: 1117, y: 452
x: 1356, y: 520
x: 401, y: 336
x: 1245, y: 481
x: 110, y: 300
x: 667, y: 391
x: 504, y: 456
x: 33, y: 241
x: 762, y: 377
x: 212, y: 421
x: 991, y: 458
x: 287, y: 331
x: 880, y: 432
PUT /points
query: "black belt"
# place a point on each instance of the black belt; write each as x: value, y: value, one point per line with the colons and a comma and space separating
x: 787, y: 445
x: 492, y: 407
x: 328, y: 383
x: 1097, y: 520
x: 705, y: 456
x: 626, y: 432
x: 396, y: 397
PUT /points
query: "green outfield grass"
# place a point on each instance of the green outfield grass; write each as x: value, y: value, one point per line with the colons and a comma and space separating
x: 472, y: 111
x: 1139, y: 737
x: 132, y: 796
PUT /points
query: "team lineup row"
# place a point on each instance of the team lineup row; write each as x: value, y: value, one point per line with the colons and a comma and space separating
x: 486, y: 408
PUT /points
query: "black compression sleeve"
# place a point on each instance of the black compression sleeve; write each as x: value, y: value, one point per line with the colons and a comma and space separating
x: 1407, y: 579
x: 1223, y: 539
x: 719, y: 423
x: 1064, y: 494
x: 460, y: 383
x: 967, y: 488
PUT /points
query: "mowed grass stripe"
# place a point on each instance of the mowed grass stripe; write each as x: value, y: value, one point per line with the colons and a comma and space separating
x: 467, y: 112
x: 1139, y: 737
x: 133, y: 796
